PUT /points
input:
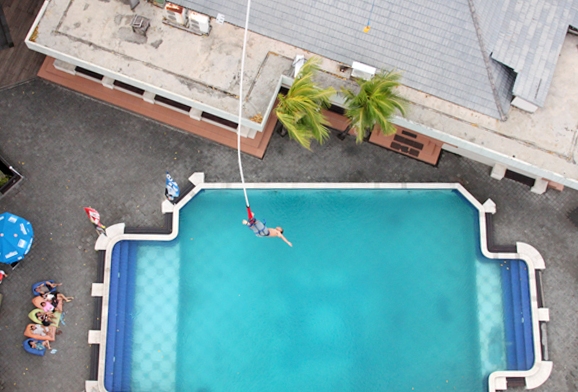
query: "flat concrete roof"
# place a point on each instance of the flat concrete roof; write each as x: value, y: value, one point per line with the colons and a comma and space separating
x: 204, y: 72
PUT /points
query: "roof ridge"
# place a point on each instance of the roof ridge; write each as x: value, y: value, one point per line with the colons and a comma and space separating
x: 486, y: 58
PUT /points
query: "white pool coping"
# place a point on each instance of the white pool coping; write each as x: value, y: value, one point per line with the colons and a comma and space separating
x: 497, y: 381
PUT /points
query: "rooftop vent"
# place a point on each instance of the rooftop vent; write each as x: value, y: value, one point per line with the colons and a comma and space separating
x: 140, y: 24
x: 297, y: 64
x: 362, y: 71
x: 175, y: 14
x: 199, y: 24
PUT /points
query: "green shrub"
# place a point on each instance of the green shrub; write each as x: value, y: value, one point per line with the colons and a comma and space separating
x: 4, y: 179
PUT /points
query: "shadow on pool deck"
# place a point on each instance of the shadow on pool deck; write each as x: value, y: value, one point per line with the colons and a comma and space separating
x: 74, y: 151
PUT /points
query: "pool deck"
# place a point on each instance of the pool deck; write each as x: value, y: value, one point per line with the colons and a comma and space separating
x: 74, y: 151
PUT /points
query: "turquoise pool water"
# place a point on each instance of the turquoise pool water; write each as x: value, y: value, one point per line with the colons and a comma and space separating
x: 384, y: 290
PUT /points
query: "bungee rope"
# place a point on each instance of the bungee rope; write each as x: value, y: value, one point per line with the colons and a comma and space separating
x: 249, y: 213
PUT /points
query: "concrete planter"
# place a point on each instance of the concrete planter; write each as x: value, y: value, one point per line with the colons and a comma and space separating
x: 10, y: 173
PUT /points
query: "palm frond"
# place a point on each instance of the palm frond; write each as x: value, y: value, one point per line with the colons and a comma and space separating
x: 300, y: 109
x: 375, y: 104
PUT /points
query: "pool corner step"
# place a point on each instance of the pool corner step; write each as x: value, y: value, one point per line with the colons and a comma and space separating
x: 519, y: 337
x: 121, y: 304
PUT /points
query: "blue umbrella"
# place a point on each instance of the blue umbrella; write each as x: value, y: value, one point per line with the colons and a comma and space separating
x: 16, y: 237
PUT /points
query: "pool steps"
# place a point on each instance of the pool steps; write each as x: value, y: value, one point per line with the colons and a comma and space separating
x: 119, y: 360
x: 517, y: 308
x: 130, y: 260
x: 499, y: 380
x: 539, y: 315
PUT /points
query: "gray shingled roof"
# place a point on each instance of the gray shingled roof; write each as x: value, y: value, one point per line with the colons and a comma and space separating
x: 574, y: 20
x: 530, y: 42
x: 442, y: 47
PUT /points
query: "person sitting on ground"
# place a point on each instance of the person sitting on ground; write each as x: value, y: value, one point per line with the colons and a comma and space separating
x: 261, y: 230
x: 39, y: 345
x: 46, y: 287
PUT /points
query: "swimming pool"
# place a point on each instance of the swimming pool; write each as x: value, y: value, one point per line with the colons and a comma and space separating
x: 384, y: 290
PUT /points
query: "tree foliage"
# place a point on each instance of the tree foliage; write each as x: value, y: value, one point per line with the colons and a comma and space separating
x: 375, y: 104
x: 300, y: 109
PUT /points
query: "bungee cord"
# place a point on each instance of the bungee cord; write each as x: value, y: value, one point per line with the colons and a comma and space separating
x: 249, y: 213
x: 258, y: 227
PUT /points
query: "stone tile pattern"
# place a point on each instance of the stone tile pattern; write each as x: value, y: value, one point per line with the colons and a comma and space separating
x: 74, y: 151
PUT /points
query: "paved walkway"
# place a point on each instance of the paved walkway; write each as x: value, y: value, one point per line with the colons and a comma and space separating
x: 74, y: 152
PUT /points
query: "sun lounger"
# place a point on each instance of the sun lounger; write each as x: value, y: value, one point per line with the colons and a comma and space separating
x: 50, y: 333
x: 33, y: 316
x: 35, y: 285
x: 38, y: 300
x: 34, y: 351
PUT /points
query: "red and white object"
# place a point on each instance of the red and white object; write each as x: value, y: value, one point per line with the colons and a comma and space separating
x: 93, y: 215
x: 176, y: 14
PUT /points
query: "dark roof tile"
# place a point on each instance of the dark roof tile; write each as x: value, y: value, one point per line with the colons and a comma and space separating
x: 408, y: 36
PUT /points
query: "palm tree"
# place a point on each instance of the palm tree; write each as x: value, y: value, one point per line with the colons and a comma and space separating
x: 374, y: 104
x: 299, y: 111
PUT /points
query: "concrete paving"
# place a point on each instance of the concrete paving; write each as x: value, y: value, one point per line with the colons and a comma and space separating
x: 74, y: 151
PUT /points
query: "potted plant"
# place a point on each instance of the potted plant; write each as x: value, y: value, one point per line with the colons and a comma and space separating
x: 8, y: 176
x: 375, y: 104
x: 299, y: 110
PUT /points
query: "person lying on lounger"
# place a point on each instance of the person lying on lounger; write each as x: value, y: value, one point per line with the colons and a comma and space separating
x: 46, y: 318
x: 47, y: 306
x: 55, y: 297
x: 39, y: 332
x: 40, y: 345
x: 46, y: 287
x: 53, y: 301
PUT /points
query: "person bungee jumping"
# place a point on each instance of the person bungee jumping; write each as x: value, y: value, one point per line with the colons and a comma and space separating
x: 261, y: 230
